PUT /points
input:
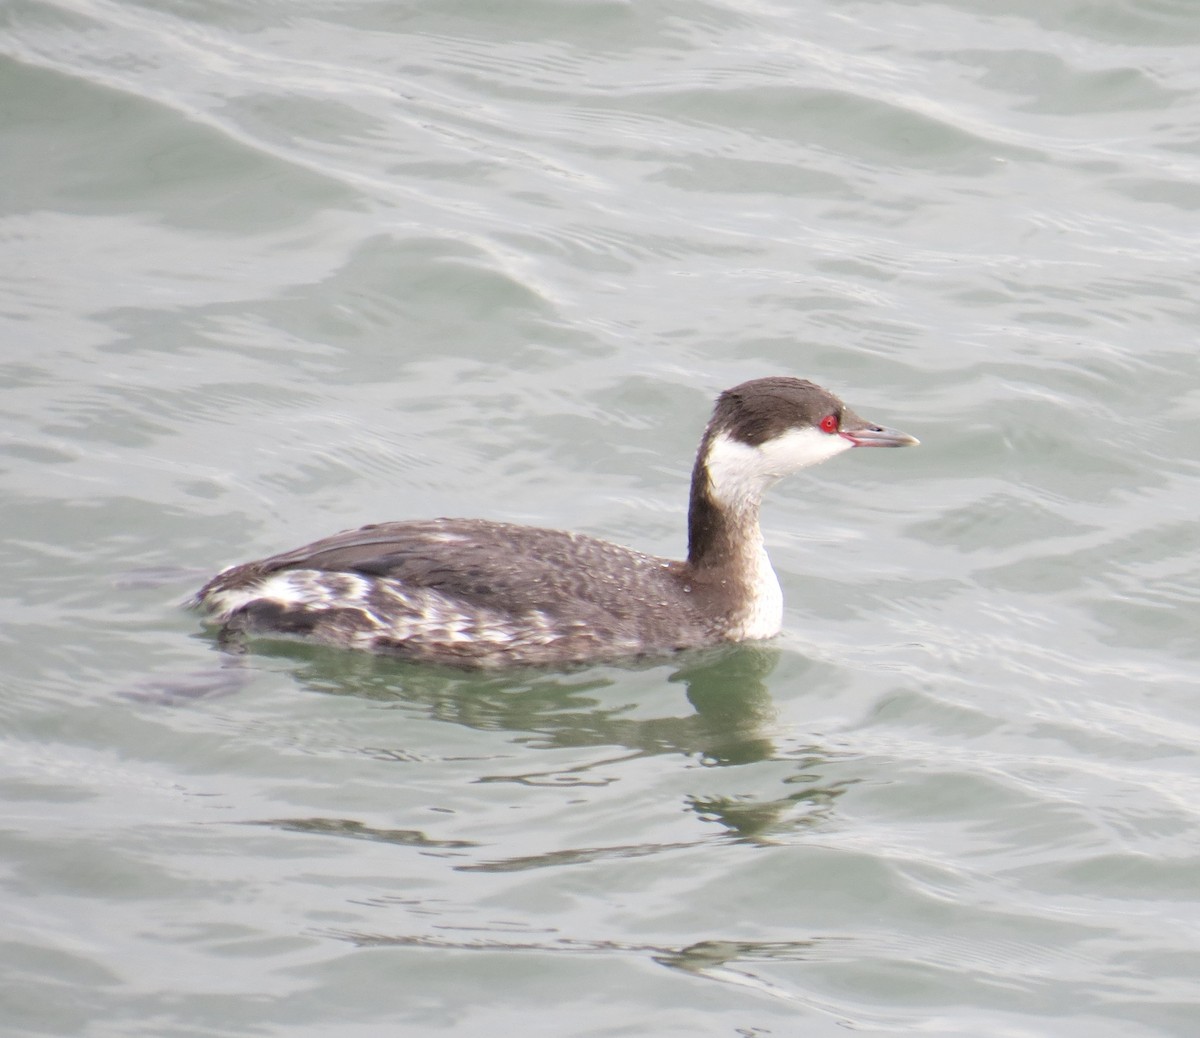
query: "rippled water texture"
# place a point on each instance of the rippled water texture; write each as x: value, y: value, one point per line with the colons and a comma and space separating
x: 278, y: 269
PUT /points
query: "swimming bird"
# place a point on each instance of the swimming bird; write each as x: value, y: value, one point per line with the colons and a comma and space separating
x: 480, y: 594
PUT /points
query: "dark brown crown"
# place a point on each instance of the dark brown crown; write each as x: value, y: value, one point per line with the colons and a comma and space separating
x: 760, y: 410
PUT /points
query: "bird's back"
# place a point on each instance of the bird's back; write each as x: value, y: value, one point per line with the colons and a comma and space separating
x: 465, y: 591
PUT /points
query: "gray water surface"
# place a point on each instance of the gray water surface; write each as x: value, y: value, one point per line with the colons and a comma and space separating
x: 275, y: 270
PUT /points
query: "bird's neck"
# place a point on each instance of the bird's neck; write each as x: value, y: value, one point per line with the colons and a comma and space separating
x: 723, y: 527
x: 727, y: 560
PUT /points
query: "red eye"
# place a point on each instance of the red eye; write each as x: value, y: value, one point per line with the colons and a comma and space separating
x: 829, y: 424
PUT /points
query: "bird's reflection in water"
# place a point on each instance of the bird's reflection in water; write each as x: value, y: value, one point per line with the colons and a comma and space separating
x: 726, y: 719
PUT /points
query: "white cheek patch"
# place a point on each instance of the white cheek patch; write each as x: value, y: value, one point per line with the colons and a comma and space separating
x: 740, y: 473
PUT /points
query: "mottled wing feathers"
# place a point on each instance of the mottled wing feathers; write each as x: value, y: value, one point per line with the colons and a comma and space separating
x: 493, y: 564
x: 462, y: 590
x: 472, y: 558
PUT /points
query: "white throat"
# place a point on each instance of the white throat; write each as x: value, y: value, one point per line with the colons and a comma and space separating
x: 738, y: 473
x: 764, y: 610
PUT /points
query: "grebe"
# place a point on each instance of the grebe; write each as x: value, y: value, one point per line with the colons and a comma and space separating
x: 474, y: 593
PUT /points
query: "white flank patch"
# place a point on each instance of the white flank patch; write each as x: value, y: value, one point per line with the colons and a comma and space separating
x: 221, y: 605
x: 295, y: 587
x: 740, y: 473
x: 388, y: 612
